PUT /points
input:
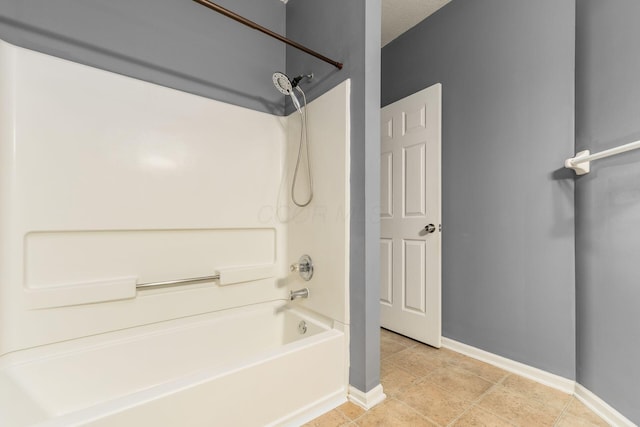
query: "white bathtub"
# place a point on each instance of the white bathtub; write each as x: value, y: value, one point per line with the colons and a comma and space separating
x: 248, y: 366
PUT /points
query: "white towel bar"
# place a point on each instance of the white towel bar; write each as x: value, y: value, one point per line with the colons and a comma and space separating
x: 581, y: 163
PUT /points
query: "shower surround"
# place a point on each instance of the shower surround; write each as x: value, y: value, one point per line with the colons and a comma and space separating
x: 107, y: 182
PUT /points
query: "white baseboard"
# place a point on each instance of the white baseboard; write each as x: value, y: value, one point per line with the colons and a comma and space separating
x: 590, y: 400
x: 547, y: 378
x: 366, y: 400
x: 602, y: 408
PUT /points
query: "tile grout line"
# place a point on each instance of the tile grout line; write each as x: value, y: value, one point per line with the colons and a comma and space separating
x: 455, y: 367
x: 393, y: 354
x: 564, y: 411
x: 501, y: 382
x: 366, y: 411
x: 418, y: 413
x: 453, y: 421
x: 402, y: 344
x: 541, y: 401
x: 352, y: 420
x: 407, y: 371
x: 471, y: 403
x: 355, y: 420
x: 475, y: 402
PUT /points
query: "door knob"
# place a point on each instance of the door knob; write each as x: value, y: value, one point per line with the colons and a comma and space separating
x: 430, y: 228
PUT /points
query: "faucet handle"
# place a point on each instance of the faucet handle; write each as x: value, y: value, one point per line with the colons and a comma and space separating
x: 300, y: 267
x: 304, y: 266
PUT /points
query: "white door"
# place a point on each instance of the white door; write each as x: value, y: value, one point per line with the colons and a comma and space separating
x: 410, y: 253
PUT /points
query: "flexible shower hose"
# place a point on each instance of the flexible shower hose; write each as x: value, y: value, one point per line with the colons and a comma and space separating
x: 304, y: 141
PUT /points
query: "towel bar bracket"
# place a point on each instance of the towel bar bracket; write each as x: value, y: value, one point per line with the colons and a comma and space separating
x: 579, y: 166
x: 581, y: 163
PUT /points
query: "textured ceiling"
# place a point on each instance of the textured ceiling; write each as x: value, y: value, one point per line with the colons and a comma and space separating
x: 400, y: 15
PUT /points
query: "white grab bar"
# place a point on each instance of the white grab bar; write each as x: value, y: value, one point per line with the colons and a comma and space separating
x: 581, y: 163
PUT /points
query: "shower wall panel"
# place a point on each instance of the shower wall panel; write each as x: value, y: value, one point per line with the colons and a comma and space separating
x: 321, y: 229
x: 108, y: 181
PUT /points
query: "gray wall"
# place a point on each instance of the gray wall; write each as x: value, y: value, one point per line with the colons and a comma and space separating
x: 608, y: 203
x: 179, y: 44
x: 349, y: 32
x: 507, y: 70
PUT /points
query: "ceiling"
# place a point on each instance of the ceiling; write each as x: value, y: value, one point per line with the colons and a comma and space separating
x: 400, y: 15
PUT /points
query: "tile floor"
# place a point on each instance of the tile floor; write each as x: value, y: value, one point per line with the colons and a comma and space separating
x: 430, y: 387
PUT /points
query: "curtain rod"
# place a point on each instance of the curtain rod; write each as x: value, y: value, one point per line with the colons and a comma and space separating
x: 249, y: 23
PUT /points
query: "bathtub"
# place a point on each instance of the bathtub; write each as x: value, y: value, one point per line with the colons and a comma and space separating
x: 267, y: 364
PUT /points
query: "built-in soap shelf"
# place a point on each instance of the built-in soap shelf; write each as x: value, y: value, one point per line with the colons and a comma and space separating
x: 127, y: 287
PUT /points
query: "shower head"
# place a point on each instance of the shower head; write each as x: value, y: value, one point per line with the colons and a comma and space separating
x: 284, y: 85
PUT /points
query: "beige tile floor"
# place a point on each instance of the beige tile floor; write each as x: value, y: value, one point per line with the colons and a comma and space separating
x: 431, y: 387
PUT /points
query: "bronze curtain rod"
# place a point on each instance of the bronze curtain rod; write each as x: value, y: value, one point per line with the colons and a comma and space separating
x: 249, y: 23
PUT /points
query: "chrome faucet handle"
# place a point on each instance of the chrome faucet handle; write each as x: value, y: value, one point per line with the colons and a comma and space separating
x: 300, y: 267
x: 304, y: 266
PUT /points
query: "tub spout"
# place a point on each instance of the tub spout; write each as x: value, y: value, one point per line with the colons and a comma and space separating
x: 300, y: 293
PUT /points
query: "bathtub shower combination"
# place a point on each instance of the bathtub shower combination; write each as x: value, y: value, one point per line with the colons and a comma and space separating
x: 146, y: 238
